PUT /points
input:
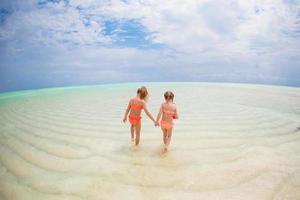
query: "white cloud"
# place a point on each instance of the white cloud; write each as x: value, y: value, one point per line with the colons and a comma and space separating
x: 53, y: 24
x: 215, y: 40
x: 191, y: 27
x: 206, y: 27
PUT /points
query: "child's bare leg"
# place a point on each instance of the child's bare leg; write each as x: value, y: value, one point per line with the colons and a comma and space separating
x: 169, y: 136
x: 137, y: 133
x: 164, y: 135
x: 165, y: 138
x: 132, y: 132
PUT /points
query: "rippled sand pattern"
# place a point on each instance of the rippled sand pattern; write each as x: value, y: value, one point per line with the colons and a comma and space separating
x: 231, y: 142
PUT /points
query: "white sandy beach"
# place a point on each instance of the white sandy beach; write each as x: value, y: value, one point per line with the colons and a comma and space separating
x: 232, y: 141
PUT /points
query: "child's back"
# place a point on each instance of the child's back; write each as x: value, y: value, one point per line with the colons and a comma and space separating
x: 137, y: 105
x: 168, y: 111
x: 134, y: 109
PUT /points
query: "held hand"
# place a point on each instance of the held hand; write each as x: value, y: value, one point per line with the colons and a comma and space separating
x: 124, y: 119
x: 156, y: 123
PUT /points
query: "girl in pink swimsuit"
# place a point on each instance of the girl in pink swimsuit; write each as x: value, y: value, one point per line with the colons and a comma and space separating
x: 135, y: 107
x: 167, y: 113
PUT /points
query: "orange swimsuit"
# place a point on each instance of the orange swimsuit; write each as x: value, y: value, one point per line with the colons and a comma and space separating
x: 166, y: 125
x: 169, y: 124
x: 135, y: 119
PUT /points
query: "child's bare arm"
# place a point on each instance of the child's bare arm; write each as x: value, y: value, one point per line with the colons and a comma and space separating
x: 126, y: 112
x: 159, y: 114
x: 148, y: 113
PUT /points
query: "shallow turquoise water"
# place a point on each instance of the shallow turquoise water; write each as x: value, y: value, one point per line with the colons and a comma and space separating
x: 232, y: 141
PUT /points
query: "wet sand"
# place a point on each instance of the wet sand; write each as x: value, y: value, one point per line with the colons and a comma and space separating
x: 232, y: 141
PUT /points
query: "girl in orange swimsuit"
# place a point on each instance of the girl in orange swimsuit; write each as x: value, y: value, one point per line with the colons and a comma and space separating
x: 167, y: 113
x: 134, y: 108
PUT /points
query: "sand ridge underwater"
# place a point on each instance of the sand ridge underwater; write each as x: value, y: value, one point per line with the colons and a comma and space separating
x: 232, y: 141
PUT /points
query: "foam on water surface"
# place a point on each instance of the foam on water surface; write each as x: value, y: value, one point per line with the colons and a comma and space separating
x: 231, y: 142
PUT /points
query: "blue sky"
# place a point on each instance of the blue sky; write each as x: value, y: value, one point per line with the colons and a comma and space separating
x: 57, y: 43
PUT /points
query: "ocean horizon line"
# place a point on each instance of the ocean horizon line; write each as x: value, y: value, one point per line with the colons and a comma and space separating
x: 12, y: 93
